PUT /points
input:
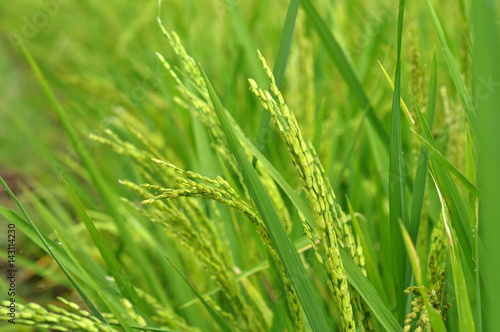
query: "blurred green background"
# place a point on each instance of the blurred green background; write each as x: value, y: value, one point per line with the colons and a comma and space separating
x: 99, y: 57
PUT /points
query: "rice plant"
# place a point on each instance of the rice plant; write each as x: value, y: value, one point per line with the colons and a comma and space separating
x: 238, y: 166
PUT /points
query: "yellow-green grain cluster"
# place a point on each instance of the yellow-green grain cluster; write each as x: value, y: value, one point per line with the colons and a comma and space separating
x: 220, y: 191
x: 417, y: 310
x: 189, y: 215
x: 198, y: 237
x: 435, y: 296
x: 205, y: 111
x: 55, y: 318
x: 164, y: 316
x: 438, y: 248
x: 220, y: 145
x: 319, y: 195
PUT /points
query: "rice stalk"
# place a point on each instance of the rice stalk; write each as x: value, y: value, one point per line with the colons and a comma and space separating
x: 330, y: 220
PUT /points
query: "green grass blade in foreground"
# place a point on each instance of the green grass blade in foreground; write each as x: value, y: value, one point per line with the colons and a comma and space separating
x: 281, y: 241
x: 452, y: 66
x: 27, y: 230
x: 397, y: 188
x: 44, y: 210
x: 471, y: 174
x: 464, y: 309
x: 486, y: 76
x: 118, y: 314
x: 405, y: 109
x: 279, y: 65
x: 417, y: 199
x: 434, y: 316
x: 336, y: 53
x: 354, y: 275
x: 218, y: 318
x: 107, y: 255
x: 100, y: 280
x: 75, y: 283
x: 369, y: 294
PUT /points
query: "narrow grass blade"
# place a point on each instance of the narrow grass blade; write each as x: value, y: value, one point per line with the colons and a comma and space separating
x: 279, y: 65
x: 218, y: 318
x: 338, y: 57
x: 452, y: 66
x: 417, y: 199
x: 26, y: 228
x: 412, y: 254
x: 124, y: 284
x: 66, y: 261
x: 102, y: 295
x: 284, y: 247
x: 486, y: 77
x: 474, y: 225
x: 466, y: 319
x: 404, y: 108
x: 75, y: 283
x: 397, y: 188
x: 368, y: 293
x: 53, y: 222
x: 471, y: 175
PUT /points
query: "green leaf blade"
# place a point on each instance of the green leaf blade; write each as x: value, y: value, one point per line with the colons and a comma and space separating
x: 345, y: 68
x: 397, y: 188
x: 417, y: 201
x: 283, y: 245
x: 280, y: 63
